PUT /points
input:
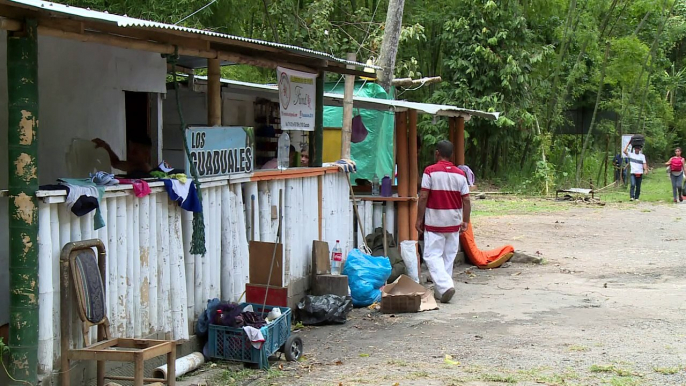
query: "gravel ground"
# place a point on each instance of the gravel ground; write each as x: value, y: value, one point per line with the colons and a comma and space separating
x: 606, y: 308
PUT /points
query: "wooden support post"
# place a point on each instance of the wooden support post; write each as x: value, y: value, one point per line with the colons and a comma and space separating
x: 214, y: 93
x: 459, y: 139
x: 347, y: 128
x: 452, y: 124
x: 414, y: 170
x: 22, y: 140
x: 317, y: 137
x: 403, y: 176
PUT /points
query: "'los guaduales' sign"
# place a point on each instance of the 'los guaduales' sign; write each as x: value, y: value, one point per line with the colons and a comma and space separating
x: 219, y: 151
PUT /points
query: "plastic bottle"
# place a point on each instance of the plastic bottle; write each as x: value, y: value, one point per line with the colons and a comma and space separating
x: 283, y: 152
x: 375, y: 185
x: 386, y: 186
x: 336, y: 258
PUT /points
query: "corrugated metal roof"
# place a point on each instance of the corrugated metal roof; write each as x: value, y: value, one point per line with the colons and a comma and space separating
x: 125, y: 21
x: 331, y: 99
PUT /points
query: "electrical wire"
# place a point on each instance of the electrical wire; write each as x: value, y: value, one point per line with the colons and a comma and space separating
x: 193, y: 14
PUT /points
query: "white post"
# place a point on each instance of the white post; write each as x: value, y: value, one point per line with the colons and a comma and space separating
x: 226, y: 262
x: 144, y: 280
x: 164, y: 279
x: 112, y: 265
x: 130, y: 261
x: 137, y: 261
x: 153, y: 265
x: 56, y: 251
x: 45, y: 290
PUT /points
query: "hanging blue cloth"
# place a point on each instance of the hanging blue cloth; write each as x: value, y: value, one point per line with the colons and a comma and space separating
x: 185, y: 194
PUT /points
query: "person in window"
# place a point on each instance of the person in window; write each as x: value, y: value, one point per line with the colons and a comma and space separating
x: 274, y: 162
x: 137, y: 163
x: 304, y: 159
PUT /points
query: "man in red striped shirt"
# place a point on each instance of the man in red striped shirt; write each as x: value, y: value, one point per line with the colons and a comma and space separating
x: 443, y: 212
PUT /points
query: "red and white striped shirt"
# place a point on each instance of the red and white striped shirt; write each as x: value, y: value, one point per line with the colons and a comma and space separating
x: 446, y: 184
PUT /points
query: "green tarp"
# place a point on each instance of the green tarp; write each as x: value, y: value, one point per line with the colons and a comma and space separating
x: 375, y: 153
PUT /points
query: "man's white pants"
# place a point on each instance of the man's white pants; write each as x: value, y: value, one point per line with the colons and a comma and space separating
x: 440, y: 250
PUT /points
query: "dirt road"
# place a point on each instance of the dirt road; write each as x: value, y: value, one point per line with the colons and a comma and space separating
x: 607, y: 308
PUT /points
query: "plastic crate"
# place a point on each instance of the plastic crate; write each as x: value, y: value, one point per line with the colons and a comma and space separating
x: 234, y: 345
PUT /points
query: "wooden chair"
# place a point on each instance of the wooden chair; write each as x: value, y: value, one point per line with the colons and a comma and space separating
x: 78, y: 264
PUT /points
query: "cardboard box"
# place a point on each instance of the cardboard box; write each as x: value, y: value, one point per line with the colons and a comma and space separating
x: 404, y: 295
x: 261, y: 260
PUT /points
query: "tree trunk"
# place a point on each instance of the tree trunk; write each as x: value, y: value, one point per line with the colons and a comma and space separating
x: 484, y: 156
x: 595, y: 112
x: 607, y: 154
x: 526, y: 151
x: 389, y: 45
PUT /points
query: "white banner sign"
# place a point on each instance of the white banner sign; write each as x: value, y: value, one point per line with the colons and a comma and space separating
x: 297, y: 99
x: 626, y: 138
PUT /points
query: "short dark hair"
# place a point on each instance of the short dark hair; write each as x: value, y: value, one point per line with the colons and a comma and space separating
x: 678, y: 148
x: 291, y: 149
x: 444, y: 148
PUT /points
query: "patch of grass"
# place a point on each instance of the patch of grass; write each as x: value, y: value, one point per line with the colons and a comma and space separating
x: 515, y: 205
x: 602, y: 368
x: 399, y: 363
x: 418, y: 375
x: 231, y: 378
x: 621, y: 372
x: 547, y: 376
x: 624, y: 381
x: 578, y: 348
x: 667, y: 370
x: 498, y: 378
x: 656, y: 187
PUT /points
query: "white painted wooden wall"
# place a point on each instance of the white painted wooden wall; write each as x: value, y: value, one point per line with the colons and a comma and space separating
x: 154, y: 284
x: 146, y: 278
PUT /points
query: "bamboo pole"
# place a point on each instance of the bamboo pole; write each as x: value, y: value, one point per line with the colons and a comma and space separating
x: 214, y: 96
x: 22, y: 140
x: 226, y: 261
x: 153, y: 263
x: 121, y: 265
x: 144, y: 280
x: 242, y: 237
x: 136, y: 265
x: 45, y: 289
x: 178, y: 276
x: 414, y: 171
x: 56, y: 320
x: 346, y: 132
x: 403, y: 177
x: 459, y: 139
x: 130, y: 261
x: 163, y: 278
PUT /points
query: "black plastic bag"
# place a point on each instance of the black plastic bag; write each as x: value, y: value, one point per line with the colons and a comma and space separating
x: 326, y: 309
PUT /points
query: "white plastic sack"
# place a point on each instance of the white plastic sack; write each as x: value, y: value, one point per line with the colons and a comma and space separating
x: 408, y: 250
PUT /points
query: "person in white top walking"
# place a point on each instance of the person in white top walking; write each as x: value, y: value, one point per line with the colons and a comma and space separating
x: 637, y: 168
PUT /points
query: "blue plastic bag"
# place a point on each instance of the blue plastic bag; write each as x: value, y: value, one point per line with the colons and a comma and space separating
x: 366, y: 275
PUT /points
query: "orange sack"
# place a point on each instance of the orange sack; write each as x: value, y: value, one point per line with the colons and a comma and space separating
x: 484, y: 259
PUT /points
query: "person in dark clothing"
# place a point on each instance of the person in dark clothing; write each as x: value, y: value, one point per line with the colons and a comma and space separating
x: 618, y: 164
x: 137, y: 163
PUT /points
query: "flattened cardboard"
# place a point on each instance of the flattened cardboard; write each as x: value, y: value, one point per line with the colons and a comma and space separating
x: 261, y: 260
x: 405, y: 286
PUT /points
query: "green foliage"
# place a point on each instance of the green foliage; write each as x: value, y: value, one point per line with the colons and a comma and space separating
x: 533, y: 60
